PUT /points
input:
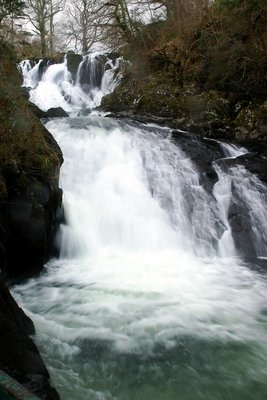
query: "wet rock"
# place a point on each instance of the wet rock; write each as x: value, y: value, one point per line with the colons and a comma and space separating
x: 239, y: 220
x: 25, y: 91
x: 55, y: 112
x: 32, y: 221
x: 30, y: 200
x: 73, y: 62
x: 254, y: 162
x: 19, y: 356
x: 44, y: 64
x: 239, y: 216
x: 202, y: 152
x: 36, y: 111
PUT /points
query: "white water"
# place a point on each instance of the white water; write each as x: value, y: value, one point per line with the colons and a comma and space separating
x: 223, y: 194
x: 148, y: 299
x: 139, y: 306
x: 57, y: 88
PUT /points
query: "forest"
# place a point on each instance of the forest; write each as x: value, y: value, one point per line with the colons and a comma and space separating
x: 220, y: 44
x: 133, y: 199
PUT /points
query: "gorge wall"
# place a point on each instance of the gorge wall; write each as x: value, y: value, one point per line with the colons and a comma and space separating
x: 30, y: 204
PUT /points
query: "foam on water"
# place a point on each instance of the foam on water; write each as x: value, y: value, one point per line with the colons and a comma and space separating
x: 141, y: 303
x: 56, y: 87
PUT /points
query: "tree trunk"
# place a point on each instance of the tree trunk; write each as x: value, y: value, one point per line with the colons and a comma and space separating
x: 43, y: 41
x: 51, y: 36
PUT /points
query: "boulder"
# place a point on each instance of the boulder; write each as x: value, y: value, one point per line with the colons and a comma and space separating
x: 55, y: 112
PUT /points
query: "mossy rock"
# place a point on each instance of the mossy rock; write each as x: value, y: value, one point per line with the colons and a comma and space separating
x: 30, y: 160
x: 207, y: 107
x: 251, y: 123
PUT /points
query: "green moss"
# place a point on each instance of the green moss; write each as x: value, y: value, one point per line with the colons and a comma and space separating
x: 21, y: 134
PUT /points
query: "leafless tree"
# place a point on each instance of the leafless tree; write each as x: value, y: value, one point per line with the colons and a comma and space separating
x: 42, y: 14
x: 83, y: 25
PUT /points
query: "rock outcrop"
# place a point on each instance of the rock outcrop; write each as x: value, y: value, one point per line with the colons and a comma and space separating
x: 212, y: 113
x: 19, y: 357
x: 30, y: 205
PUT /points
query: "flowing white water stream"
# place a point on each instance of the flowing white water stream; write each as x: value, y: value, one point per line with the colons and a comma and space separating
x: 129, y: 311
x: 148, y: 300
x: 56, y: 87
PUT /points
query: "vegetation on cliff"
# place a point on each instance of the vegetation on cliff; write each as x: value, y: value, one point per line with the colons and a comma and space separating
x: 206, y: 71
x: 29, y: 170
x: 29, y: 201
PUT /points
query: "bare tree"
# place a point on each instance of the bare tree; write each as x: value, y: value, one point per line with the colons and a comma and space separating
x: 176, y: 10
x: 83, y: 25
x: 41, y: 14
x: 55, y: 6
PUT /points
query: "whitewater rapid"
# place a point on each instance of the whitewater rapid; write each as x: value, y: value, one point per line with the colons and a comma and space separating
x: 149, y: 299
x: 53, y: 85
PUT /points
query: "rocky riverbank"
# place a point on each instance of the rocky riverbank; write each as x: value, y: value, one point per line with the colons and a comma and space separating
x: 210, y: 113
x: 30, y: 208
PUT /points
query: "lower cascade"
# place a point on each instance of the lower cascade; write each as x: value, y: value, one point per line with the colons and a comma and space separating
x: 150, y: 297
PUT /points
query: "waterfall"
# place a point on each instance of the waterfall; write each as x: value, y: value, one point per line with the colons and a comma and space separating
x: 30, y: 73
x: 150, y: 297
x: 54, y: 86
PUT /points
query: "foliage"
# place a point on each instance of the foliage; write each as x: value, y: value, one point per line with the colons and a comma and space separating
x: 9, y: 11
x: 248, y: 4
x: 11, y: 7
x: 22, y: 136
x: 215, y: 48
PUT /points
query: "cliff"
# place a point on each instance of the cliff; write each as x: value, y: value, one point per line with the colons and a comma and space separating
x: 30, y: 202
x: 30, y: 198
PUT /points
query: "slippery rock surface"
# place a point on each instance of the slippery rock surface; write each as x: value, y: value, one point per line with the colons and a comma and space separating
x: 54, y: 112
x: 30, y: 203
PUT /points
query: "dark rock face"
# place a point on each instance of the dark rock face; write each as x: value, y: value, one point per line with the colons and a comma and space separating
x: 32, y: 220
x: 33, y: 203
x: 56, y: 112
x: 202, y: 152
x: 254, y: 162
x: 73, y: 62
x: 30, y: 202
x: 207, y: 153
x: 44, y: 64
x: 240, y: 223
x: 91, y: 73
x: 19, y: 356
x: 239, y: 216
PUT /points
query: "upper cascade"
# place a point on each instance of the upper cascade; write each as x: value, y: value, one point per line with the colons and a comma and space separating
x: 77, y: 90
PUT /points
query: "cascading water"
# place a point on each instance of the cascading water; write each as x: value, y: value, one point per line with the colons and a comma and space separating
x: 96, y: 76
x: 148, y: 299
